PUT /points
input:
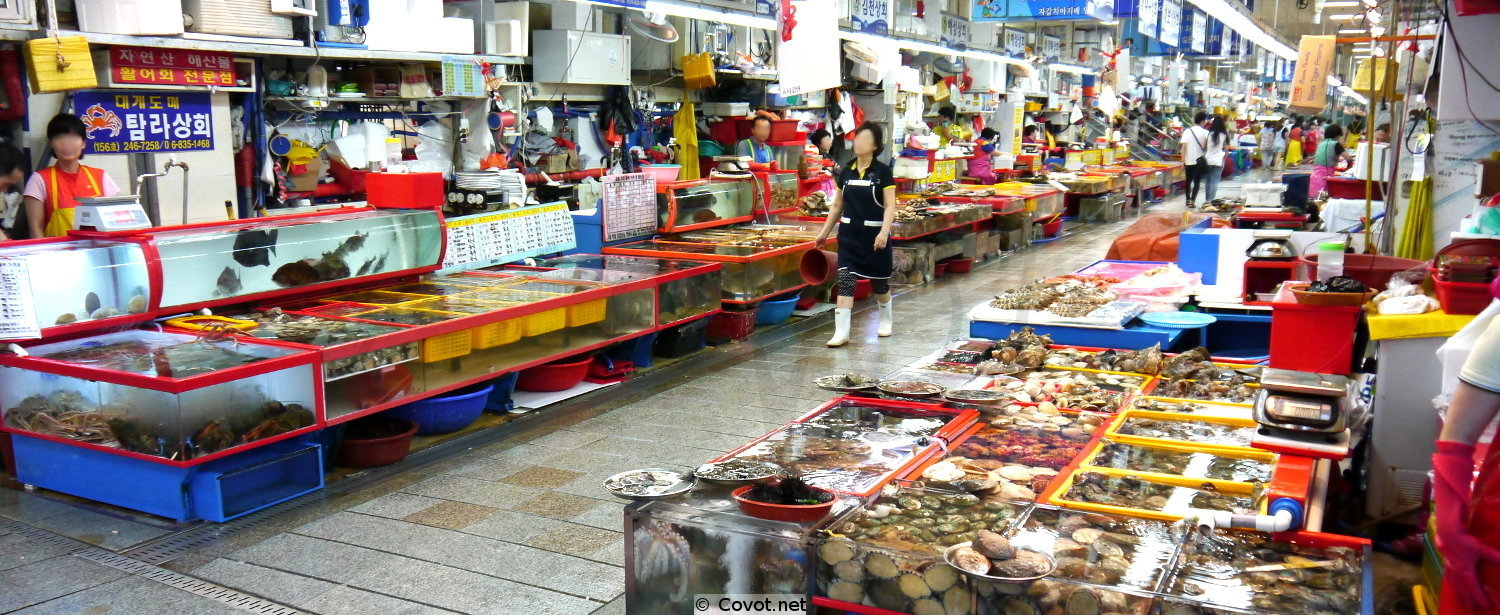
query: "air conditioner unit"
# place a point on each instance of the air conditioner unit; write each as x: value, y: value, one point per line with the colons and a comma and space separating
x: 237, y: 18
x: 136, y: 17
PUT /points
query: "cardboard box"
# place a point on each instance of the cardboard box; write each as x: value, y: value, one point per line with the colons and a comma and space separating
x: 307, y: 180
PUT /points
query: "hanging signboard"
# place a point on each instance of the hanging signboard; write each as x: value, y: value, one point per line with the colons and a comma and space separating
x: 1015, y: 43
x: 1023, y: 10
x: 767, y: 8
x: 1126, y: 9
x: 1200, y: 31
x: 1171, y: 22
x: 121, y: 122
x: 1052, y: 47
x: 954, y: 34
x: 810, y: 33
x: 987, y: 10
x: 149, y: 66
x: 1150, y: 15
x: 870, y: 16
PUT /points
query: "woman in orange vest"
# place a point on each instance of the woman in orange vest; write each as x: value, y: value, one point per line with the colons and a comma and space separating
x: 51, y: 193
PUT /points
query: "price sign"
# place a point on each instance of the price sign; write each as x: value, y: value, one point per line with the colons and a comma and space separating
x: 17, y: 309
x: 483, y: 240
x: 629, y: 203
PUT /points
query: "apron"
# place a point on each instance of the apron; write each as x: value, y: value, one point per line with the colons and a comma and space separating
x: 1484, y: 525
x: 63, y: 197
x: 860, y: 225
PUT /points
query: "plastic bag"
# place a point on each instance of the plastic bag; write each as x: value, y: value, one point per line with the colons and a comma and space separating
x: 1407, y: 304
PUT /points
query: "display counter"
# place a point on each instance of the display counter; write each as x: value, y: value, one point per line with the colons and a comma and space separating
x: 1042, y: 201
x: 916, y: 221
x: 704, y: 203
x: 757, y: 262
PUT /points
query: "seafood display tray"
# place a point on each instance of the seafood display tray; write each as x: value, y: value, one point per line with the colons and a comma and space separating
x: 1114, y: 315
x: 1300, y: 572
x: 1232, y: 434
x: 1177, y: 501
x: 1191, y: 407
x: 1244, y: 465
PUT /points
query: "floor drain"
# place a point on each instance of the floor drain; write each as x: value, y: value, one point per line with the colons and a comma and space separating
x: 185, y: 583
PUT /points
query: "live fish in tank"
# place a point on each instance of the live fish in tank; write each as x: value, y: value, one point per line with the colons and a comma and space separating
x: 353, y: 243
x: 91, y: 303
x: 296, y: 273
x: 371, y: 266
x: 254, y: 248
x: 228, y: 283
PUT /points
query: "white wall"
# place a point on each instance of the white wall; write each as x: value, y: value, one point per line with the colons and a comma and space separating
x: 212, y: 171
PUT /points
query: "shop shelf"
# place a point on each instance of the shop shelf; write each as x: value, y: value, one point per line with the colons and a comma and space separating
x: 544, y: 322
x: 497, y: 334
x: 586, y: 313
x: 447, y: 346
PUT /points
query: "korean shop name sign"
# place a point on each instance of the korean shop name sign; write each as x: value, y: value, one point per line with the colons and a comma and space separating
x: 146, y: 65
x: 145, y: 122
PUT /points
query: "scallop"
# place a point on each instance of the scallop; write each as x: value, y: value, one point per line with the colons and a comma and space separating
x: 1016, y: 473
x: 1087, y: 535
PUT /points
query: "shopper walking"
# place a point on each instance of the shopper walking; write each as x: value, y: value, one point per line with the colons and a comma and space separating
x: 864, y: 210
x: 1326, y: 160
x: 1272, y: 145
x: 53, y: 192
x: 1195, y: 144
x: 1294, y: 144
x: 1219, y: 144
x: 1468, y: 520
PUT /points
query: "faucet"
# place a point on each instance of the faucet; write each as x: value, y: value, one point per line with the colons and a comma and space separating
x: 172, y: 161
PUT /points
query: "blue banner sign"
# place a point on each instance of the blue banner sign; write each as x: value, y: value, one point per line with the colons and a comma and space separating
x: 1040, y: 10
x: 989, y: 10
x: 125, y: 122
x: 870, y: 16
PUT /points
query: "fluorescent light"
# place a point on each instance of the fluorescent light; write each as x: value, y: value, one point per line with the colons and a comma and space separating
x: 1345, y: 16
x: 1069, y: 68
x: 1352, y: 31
x: 693, y: 12
x: 883, y: 41
x: 1341, y: 4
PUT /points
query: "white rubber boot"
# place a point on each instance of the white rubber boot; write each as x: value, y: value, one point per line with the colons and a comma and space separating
x: 841, y: 319
x: 887, y: 319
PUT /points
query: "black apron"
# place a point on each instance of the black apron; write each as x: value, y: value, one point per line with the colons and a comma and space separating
x: 861, y: 220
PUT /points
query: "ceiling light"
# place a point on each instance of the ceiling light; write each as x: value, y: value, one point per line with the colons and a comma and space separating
x: 1341, y: 4
x: 1352, y: 31
x: 1345, y: 16
x: 1377, y: 30
x: 1069, y: 68
x: 1235, y: 17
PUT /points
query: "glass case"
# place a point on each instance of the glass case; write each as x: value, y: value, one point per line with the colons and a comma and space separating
x: 686, y: 288
x: 222, y: 262
x: 701, y: 544
x: 751, y: 272
x: 695, y: 204
x: 778, y: 190
x: 168, y: 396
x: 1245, y: 572
x: 104, y: 279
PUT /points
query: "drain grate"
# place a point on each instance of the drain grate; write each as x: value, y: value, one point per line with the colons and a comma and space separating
x: 172, y: 546
x: 36, y: 534
x: 185, y: 583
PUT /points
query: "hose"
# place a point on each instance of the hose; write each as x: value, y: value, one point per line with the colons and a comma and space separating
x: 1285, y: 515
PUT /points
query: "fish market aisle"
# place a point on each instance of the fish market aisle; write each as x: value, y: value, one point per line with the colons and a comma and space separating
x: 517, y: 525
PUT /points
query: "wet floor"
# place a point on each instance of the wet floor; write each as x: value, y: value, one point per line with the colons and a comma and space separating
x: 508, y: 521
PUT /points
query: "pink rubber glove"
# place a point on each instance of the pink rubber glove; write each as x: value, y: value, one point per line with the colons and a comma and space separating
x: 1453, y: 477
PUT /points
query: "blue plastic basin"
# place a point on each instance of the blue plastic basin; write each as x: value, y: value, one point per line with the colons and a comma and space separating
x: 443, y: 414
x: 776, y: 311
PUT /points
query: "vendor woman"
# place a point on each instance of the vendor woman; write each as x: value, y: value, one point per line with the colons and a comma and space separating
x: 864, y: 210
x: 51, y: 193
x: 755, y: 147
x: 1468, y: 520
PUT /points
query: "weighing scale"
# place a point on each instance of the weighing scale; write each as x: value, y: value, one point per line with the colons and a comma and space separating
x: 110, y: 213
x: 1303, y: 413
x: 1271, y: 245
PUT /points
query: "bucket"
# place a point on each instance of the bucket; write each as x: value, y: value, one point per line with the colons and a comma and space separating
x: 939, y: 269
x: 818, y: 266
x: 776, y: 311
x: 445, y: 413
x: 376, y: 440
x: 1373, y: 269
x: 558, y: 376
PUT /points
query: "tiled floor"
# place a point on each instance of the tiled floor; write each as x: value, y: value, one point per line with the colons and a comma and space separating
x: 520, y: 526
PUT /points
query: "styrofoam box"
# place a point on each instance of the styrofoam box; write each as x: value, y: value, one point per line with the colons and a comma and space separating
x: 734, y: 109
x: 161, y: 17
x: 1264, y: 195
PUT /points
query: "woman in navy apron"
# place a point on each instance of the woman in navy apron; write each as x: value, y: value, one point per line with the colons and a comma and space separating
x: 864, y: 210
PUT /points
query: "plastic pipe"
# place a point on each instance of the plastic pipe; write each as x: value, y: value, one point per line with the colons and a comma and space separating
x: 1284, y: 515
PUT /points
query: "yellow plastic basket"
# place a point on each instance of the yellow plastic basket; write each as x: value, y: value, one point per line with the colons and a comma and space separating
x: 698, y: 71
x: 497, y: 334
x: 1065, y: 482
x: 60, y: 63
x: 586, y: 313
x: 446, y: 346
x: 544, y: 322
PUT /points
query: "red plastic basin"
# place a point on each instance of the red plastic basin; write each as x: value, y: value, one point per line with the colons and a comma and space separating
x: 557, y: 376
x: 960, y: 265
x: 376, y: 440
x: 801, y: 513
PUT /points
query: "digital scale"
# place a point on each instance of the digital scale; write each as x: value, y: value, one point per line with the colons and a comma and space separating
x: 111, y: 213
x: 1303, y: 413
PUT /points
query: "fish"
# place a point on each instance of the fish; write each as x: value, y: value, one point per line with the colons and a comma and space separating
x: 371, y: 266
x: 296, y: 273
x: 353, y: 243
x: 228, y: 283
x: 331, y: 267
x: 254, y: 248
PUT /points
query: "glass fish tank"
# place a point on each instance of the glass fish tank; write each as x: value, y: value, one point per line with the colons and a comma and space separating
x: 678, y: 299
x: 750, y: 273
x: 694, y: 204
x: 105, y: 279
x: 779, y: 189
x: 700, y: 543
x: 169, y: 396
x: 1232, y: 572
x: 223, y: 262
x: 322, y: 332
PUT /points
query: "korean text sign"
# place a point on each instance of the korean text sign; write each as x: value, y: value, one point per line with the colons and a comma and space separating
x: 148, y: 65
x: 1024, y: 10
x: 123, y: 122
x: 870, y: 16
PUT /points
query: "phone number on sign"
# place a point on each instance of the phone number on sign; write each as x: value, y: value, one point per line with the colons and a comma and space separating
x: 150, y: 146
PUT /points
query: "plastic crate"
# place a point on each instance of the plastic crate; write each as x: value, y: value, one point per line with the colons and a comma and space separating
x: 683, y: 340
x: 1313, y: 338
x: 587, y: 313
x: 284, y: 471
x: 731, y: 326
x: 447, y: 346
x: 544, y: 322
x: 496, y: 334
